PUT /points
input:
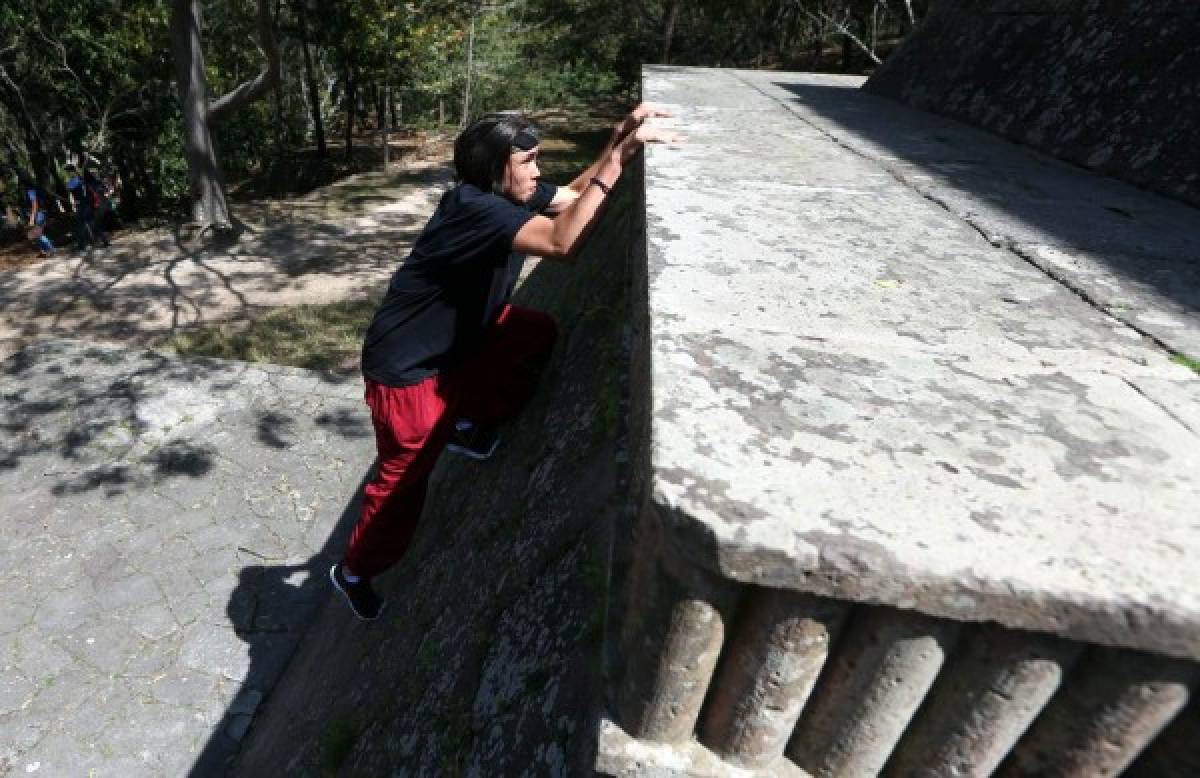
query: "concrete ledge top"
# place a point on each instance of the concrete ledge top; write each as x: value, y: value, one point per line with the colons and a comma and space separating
x: 860, y: 391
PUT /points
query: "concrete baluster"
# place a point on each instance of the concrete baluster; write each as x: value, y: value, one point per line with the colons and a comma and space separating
x: 1176, y: 751
x: 671, y: 637
x: 982, y: 703
x: 770, y: 666
x: 881, y: 672
x: 1110, y: 707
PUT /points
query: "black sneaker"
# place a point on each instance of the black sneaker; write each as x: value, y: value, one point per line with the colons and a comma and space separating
x: 362, y: 599
x: 473, y: 441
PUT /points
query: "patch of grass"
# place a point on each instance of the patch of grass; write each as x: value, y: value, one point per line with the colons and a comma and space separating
x: 317, y: 337
x: 1188, y: 362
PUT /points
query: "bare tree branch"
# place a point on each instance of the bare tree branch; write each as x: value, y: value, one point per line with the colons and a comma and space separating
x: 16, y: 90
x: 908, y: 9
x: 62, y: 51
x: 842, y: 29
x: 249, y: 91
x: 84, y: 92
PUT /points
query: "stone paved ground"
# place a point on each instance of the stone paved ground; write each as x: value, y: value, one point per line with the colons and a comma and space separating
x: 167, y: 526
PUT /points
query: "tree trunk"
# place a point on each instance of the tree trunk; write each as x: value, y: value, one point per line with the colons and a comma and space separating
x: 383, y: 112
x: 209, y: 207
x: 875, y: 26
x: 466, y: 111
x: 669, y: 31
x: 351, y: 98
x: 280, y: 167
x: 310, y: 84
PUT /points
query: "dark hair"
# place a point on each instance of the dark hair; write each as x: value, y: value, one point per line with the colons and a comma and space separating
x: 481, y: 150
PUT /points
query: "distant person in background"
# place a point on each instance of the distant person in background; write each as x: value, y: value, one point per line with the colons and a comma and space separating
x: 447, y: 357
x: 98, y: 193
x: 36, y: 200
x: 81, y: 203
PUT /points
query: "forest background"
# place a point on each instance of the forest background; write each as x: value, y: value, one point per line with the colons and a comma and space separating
x: 296, y: 93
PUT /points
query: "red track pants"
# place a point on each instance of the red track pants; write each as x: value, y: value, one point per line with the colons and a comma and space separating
x: 412, y: 424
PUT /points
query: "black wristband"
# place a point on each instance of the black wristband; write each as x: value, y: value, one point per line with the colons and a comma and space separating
x: 603, y: 186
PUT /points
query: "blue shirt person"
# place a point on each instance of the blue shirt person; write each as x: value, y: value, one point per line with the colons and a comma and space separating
x: 36, y: 208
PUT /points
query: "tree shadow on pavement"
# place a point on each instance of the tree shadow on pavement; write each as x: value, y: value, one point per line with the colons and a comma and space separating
x: 139, y: 490
x: 270, y: 610
x: 148, y: 286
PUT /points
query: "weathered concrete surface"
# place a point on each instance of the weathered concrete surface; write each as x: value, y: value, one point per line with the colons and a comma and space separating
x: 1176, y: 751
x: 771, y: 664
x: 1110, y: 707
x: 869, y: 690
x: 622, y: 756
x: 1136, y: 256
x: 982, y: 704
x: 672, y: 641
x: 856, y: 394
x: 166, y: 525
x: 487, y: 660
x: 1106, y: 85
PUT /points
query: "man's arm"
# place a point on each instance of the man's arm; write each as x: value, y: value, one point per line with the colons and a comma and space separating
x: 558, y: 238
x: 571, y: 192
x: 563, y: 196
x: 629, y: 124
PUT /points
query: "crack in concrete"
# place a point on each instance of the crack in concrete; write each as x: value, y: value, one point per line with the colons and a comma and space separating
x: 997, y: 240
x: 1160, y: 406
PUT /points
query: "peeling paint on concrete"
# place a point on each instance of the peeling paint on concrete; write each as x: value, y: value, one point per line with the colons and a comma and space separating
x: 961, y: 471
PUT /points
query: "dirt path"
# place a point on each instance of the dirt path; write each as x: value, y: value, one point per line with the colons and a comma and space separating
x: 333, y: 244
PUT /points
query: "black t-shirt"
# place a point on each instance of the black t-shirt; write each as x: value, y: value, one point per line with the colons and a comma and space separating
x: 460, y: 273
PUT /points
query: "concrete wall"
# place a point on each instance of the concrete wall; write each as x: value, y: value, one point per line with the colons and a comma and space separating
x: 1107, y: 85
x: 801, y: 601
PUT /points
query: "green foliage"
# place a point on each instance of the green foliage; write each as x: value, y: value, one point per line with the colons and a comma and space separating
x: 97, y: 76
x: 170, y: 168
